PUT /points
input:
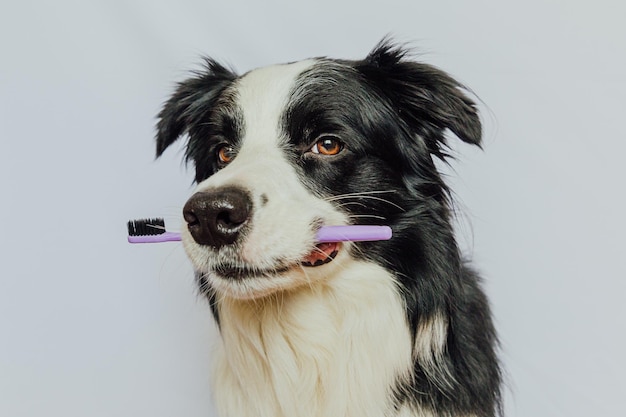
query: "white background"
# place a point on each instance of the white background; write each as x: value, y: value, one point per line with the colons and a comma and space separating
x: 92, y: 326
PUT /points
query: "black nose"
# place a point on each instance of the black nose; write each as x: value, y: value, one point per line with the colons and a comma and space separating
x: 216, y: 218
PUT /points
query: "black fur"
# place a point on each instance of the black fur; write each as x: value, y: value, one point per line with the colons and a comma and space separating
x: 393, y: 116
x: 189, y: 111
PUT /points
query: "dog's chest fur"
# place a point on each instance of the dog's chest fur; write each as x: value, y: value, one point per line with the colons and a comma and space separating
x: 336, y: 348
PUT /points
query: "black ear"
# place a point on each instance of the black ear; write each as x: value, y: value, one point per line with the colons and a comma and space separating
x: 426, y: 98
x: 190, y: 102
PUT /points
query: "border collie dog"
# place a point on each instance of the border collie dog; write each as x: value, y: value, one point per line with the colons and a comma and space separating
x: 388, y: 328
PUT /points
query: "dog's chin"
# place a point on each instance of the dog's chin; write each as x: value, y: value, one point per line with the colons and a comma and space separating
x: 243, y: 282
x: 254, y: 287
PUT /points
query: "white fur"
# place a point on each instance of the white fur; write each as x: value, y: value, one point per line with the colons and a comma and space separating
x: 334, y: 348
x: 429, y: 346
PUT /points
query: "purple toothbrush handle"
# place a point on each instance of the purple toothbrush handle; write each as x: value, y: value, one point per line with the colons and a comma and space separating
x: 353, y: 233
x: 324, y: 235
x: 163, y: 237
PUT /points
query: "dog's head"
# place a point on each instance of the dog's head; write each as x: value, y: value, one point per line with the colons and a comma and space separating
x: 283, y: 150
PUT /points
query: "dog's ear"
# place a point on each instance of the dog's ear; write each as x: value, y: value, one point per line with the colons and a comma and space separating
x: 426, y: 98
x: 190, y: 103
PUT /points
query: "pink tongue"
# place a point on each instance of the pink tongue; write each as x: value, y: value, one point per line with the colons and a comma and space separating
x: 323, y: 253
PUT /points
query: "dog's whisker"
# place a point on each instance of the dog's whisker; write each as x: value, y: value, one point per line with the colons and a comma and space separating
x: 280, y: 302
x: 384, y: 201
x: 357, y: 248
x: 351, y: 203
x: 363, y: 193
x: 309, y: 281
x: 368, y: 216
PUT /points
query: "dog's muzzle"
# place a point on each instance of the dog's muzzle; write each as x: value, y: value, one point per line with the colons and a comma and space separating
x: 217, y: 217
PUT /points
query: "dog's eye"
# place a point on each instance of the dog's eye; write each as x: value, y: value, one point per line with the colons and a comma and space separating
x: 327, y: 145
x: 225, y: 154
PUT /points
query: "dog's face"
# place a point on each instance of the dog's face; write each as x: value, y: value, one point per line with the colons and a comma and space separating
x: 283, y: 150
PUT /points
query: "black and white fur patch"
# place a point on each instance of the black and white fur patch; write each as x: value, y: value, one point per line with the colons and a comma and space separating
x: 392, y: 328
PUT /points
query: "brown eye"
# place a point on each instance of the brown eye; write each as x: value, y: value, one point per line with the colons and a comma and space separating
x: 327, y: 145
x: 225, y: 154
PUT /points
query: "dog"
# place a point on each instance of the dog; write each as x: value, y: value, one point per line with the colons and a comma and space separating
x: 388, y: 328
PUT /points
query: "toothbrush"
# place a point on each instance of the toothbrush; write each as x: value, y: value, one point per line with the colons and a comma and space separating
x: 153, y: 231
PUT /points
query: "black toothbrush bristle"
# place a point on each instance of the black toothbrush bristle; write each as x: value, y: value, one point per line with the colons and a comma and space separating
x: 146, y: 227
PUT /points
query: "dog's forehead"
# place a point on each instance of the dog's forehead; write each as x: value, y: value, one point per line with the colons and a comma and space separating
x: 258, y: 101
x: 263, y: 93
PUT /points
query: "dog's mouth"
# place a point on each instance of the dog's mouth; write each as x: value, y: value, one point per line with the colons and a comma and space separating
x: 321, y: 254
